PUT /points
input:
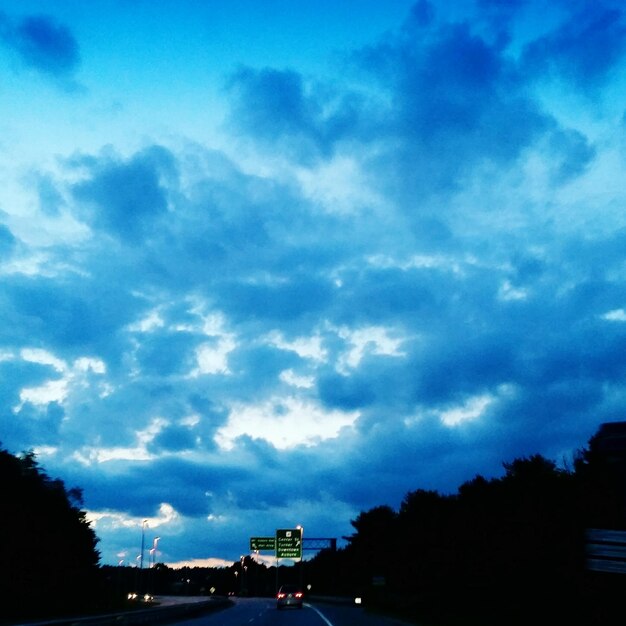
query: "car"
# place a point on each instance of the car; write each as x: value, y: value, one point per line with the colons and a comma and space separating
x: 289, y: 596
x: 146, y: 598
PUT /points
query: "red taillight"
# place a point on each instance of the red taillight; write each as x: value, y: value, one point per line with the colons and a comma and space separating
x: 299, y: 594
x: 280, y: 595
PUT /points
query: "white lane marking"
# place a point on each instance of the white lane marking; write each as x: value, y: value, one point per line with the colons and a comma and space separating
x: 319, y: 613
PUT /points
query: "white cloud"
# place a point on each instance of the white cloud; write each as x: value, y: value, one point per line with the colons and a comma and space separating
x: 291, y: 378
x: 340, y: 186
x: 616, y: 315
x: 284, y: 422
x: 213, y: 359
x: 58, y: 389
x: 509, y: 292
x: 305, y: 347
x: 110, y: 520
x: 208, y: 562
x: 51, y: 391
x: 417, y: 261
x: 90, y: 455
x: 373, y: 226
x: 150, y: 322
x: 36, y: 355
x: 368, y: 340
x: 471, y: 409
x: 86, y: 364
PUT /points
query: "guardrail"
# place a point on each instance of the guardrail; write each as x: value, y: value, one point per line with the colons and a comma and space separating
x: 152, y: 615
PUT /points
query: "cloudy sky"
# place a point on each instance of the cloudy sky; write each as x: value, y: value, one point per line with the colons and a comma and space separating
x: 268, y: 263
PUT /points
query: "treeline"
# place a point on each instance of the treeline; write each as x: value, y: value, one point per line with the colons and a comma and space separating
x: 48, y: 556
x: 507, y: 550
x: 504, y: 550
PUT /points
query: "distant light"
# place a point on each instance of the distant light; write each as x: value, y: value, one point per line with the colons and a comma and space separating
x: 357, y: 601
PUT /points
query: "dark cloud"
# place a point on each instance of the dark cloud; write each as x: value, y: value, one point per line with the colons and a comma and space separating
x: 295, y: 298
x: 139, y: 488
x: 377, y: 294
x: 126, y: 199
x: 345, y: 392
x: 19, y: 373
x: 281, y: 109
x: 258, y: 367
x: 453, y: 273
x: 422, y: 13
x: 42, y: 44
x: 42, y: 424
x: 65, y: 313
x: 451, y: 101
x: 31, y: 425
x: 458, y: 104
x: 50, y: 198
x: 581, y: 51
x: 572, y: 154
x: 8, y: 242
x: 167, y: 353
x: 173, y: 439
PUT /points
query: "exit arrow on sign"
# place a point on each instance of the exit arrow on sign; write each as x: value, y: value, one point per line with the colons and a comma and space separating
x: 262, y: 543
x: 289, y: 543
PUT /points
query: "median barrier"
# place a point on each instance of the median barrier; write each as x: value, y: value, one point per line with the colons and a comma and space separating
x: 152, y: 615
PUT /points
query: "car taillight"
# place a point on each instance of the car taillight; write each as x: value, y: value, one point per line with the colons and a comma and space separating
x: 299, y: 594
x: 280, y: 595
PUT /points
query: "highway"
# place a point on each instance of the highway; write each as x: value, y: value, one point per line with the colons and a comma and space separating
x: 263, y: 612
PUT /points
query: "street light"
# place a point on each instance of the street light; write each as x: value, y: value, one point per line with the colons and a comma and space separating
x: 153, y: 550
x: 301, y: 529
x: 143, y: 540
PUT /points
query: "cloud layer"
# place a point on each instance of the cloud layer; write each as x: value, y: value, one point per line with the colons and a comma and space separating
x: 389, y: 276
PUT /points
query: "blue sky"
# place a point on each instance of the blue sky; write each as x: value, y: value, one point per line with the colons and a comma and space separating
x: 276, y: 263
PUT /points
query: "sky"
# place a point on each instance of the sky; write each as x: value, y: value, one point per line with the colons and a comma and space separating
x: 268, y: 264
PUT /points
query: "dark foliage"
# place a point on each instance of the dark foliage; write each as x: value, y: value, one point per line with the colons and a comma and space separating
x: 507, y: 550
x: 48, y: 549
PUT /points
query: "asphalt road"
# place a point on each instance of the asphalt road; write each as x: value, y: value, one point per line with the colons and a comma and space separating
x: 263, y: 612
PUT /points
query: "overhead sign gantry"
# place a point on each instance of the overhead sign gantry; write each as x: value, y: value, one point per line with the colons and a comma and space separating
x: 289, y: 543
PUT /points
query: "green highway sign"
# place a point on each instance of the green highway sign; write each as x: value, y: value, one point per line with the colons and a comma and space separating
x: 262, y: 543
x: 289, y: 543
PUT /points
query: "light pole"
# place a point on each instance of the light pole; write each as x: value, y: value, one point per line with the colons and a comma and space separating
x: 152, y: 563
x: 137, y: 576
x: 242, y: 575
x: 301, y: 529
x: 155, y: 543
x: 143, y: 541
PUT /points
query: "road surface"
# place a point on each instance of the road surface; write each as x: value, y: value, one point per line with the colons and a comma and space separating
x: 263, y: 612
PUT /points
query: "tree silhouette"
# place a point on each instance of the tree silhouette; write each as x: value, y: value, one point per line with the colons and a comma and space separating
x: 506, y: 549
x: 48, y: 549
